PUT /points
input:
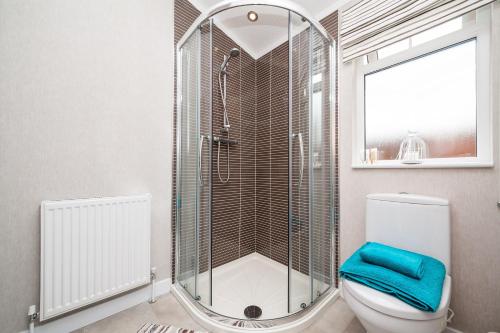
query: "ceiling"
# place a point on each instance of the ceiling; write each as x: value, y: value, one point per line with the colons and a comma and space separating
x: 271, y: 29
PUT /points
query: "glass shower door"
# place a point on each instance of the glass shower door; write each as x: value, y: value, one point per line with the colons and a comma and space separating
x: 205, y: 167
x: 299, y: 282
x: 311, y: 181
x: 194, y: 165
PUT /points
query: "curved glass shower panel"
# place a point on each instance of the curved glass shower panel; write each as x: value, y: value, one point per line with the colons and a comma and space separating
x: 321, y: 166
x: 311, y: 173
x: 187, y: 191
x: 204, y: 284
x: 194, y: 165
x: 255, y: 161
x: 299, y: 245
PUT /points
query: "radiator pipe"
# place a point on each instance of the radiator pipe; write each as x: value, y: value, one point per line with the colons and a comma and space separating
x: 153, y: 285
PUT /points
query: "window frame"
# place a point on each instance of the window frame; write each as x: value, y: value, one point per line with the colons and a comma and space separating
x: 480, y: 30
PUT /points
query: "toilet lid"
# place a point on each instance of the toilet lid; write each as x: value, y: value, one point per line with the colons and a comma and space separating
x: 390, y: 305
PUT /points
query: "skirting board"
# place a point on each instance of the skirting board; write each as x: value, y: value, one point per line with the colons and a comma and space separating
x: 100, y: 311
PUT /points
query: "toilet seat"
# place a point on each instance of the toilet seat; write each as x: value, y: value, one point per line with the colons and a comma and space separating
x: 392, y: 306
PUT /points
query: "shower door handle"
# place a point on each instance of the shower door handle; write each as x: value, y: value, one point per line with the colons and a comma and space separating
x: 301, y: 147
x: 301, y: 144
x: 200, y: 160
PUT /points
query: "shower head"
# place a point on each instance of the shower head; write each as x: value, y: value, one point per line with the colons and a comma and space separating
x: 234, y: 52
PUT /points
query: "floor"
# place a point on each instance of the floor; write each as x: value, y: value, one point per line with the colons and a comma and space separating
x: 337, y: 318
x: 241, y: 283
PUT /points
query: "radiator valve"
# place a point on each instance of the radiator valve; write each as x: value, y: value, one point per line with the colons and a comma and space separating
x: 32, y: 317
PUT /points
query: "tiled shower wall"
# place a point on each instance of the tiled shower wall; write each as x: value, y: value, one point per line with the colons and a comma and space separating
x: 233, y: 203
x: 272, y: 155
x: 250, y: 212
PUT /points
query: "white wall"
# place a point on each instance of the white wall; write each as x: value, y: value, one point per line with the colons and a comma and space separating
x: 86, y: 97
x: 473, y: 194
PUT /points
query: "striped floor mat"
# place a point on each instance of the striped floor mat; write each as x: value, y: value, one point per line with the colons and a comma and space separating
x: 155, y: 328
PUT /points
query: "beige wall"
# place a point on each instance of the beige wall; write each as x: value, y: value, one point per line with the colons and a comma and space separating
x: 86, y: 92
x: 473, y: 194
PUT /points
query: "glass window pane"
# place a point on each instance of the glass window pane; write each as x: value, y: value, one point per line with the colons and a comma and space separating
x: 433, y: 95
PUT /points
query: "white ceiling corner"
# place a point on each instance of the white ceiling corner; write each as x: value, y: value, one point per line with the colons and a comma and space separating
x: 271, y: 30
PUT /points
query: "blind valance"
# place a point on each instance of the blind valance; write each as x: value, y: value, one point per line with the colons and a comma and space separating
x: 372, y: 24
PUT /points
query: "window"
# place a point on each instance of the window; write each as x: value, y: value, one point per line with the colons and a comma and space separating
x: 433, y: 96
x: 425, y: 101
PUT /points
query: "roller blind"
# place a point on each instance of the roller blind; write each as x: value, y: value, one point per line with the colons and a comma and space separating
x: 372, y: 24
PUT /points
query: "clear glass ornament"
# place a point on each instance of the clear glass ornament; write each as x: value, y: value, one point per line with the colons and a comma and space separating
x: 413, y: 149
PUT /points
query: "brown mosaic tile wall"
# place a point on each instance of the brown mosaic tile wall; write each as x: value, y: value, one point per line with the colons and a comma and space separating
x: 248, y: 154
x: 272, y: 154
x: 279, y: 154
x: 233, y: 203
x: 250, y: 213
x: 263, y: 157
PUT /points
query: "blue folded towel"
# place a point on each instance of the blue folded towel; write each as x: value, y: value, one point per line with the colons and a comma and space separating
x: 401, y: 261
x: 423, y: 294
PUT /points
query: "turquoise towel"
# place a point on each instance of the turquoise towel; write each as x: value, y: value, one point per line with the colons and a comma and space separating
x: 401, y: 261
x: 423, y: 294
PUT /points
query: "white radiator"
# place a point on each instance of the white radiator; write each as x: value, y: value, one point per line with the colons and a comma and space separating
x: 92, y: 249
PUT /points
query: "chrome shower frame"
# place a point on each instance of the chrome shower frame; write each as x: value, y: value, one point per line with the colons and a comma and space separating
x: 283, y: 4
x: 208, y: 17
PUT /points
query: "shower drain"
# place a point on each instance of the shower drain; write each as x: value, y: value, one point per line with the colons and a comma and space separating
x: 253, y: 312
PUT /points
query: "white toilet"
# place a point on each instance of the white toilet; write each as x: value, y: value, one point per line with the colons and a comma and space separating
x: 411, y: 222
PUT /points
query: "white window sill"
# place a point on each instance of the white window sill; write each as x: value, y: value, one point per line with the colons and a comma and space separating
x: 424, y: 165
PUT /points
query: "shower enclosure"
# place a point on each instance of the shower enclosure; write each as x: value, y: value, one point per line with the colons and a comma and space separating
x: 255, y: 226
